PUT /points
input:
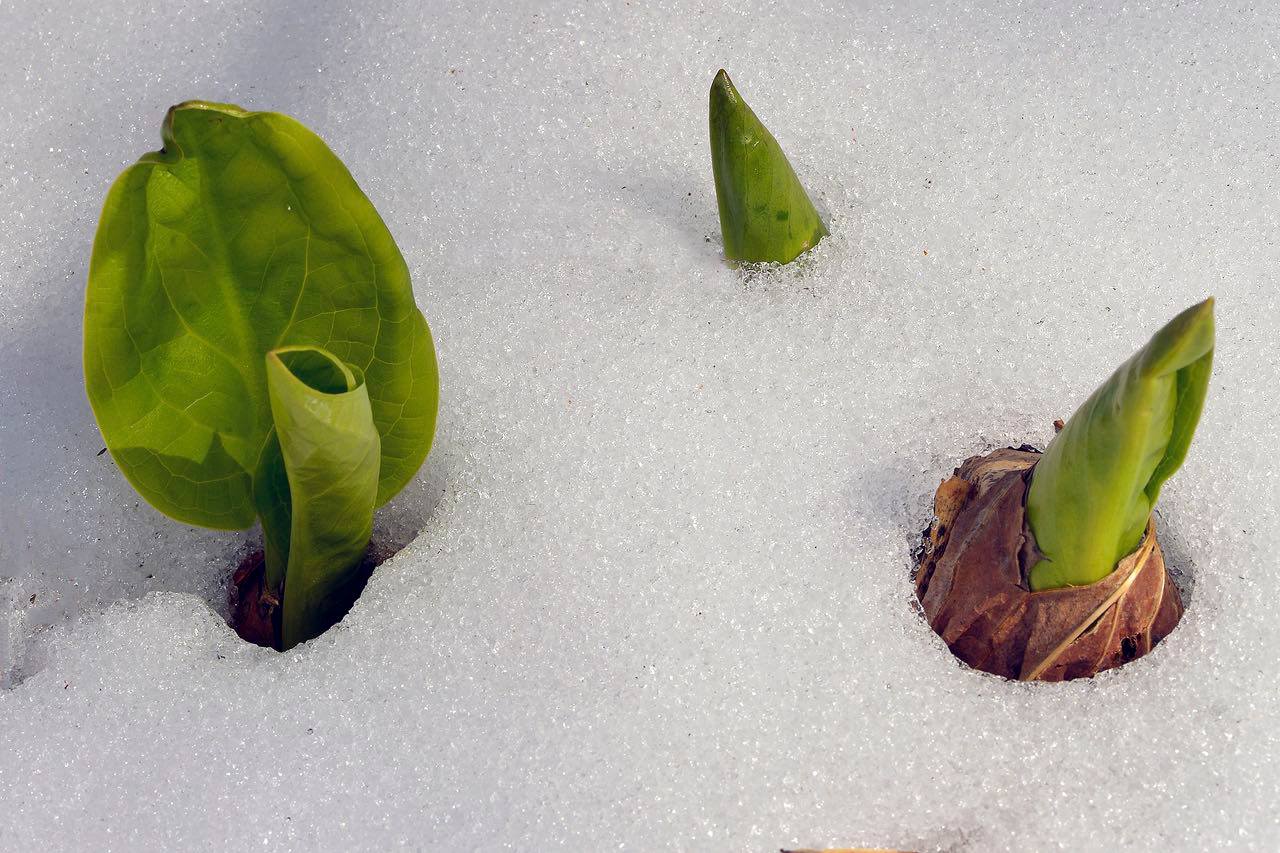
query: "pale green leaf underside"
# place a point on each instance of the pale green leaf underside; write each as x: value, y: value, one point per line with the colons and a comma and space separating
x: 1095, y: 486
x: 765, y: 214
x: 329, y: 450
x: 245, y: 233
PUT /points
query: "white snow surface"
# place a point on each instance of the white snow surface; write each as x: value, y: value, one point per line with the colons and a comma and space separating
x: 659, y: 594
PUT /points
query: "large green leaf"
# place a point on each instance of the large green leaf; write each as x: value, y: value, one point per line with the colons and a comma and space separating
x: 1095, y: 486
x: 318, y: 517
x: 245, y: 233
x: 765, y: 214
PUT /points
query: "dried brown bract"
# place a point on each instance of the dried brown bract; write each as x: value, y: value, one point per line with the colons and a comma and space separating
x: 972, y: 584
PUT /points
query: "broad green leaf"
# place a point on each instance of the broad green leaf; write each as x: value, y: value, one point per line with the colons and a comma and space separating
x: 1095, y: 486
x: 765, y: 214
x: 330, y: 449
x: 244, y: 234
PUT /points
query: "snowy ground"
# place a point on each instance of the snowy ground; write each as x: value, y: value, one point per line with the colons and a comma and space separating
x: 660, y: 598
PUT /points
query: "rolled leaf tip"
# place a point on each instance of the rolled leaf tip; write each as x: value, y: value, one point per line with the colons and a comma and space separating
x: 1182, y: 340
x: 724, y: 88
x: 765, y: 214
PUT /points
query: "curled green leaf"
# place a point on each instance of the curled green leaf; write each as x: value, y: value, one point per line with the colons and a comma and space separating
x: 765, y: 214
x: 317, y: 521
x: 244, y: 234
x: 1094, y: 488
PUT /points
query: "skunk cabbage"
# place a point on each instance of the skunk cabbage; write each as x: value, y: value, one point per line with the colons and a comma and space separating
x: 253, y: 348
x: 765, y: 214
x: 1094, y: 488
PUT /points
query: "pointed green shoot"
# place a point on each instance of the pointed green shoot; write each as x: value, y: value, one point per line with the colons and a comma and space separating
x: 1093, y: 490
x: 316, y: 485
x: 765, y: 215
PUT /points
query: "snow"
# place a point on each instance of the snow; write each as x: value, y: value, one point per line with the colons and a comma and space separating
x: 659, y: 595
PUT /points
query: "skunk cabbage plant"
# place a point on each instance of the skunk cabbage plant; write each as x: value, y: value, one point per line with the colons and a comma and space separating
x: 1093, y: 490
x: 253, y: 348
x: 765, y: 214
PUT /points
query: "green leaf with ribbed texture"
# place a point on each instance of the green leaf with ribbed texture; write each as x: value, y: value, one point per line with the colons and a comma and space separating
x: 1095, y: 486
x: 765, y: 214
x: 244, y: 234
x: 318, y: 521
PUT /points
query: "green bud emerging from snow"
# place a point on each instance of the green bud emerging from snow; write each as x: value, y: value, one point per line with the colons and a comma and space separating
x: 1093, y: 490
x: 765, y: 214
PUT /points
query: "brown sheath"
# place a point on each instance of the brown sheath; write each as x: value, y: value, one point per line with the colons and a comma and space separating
x: 972, y: 584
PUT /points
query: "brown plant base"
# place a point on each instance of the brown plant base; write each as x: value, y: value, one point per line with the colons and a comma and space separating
x: 255, y: 610
x: 972, y: 584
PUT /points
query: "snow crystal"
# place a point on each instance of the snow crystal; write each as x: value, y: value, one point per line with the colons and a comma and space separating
x: 660, y: 596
